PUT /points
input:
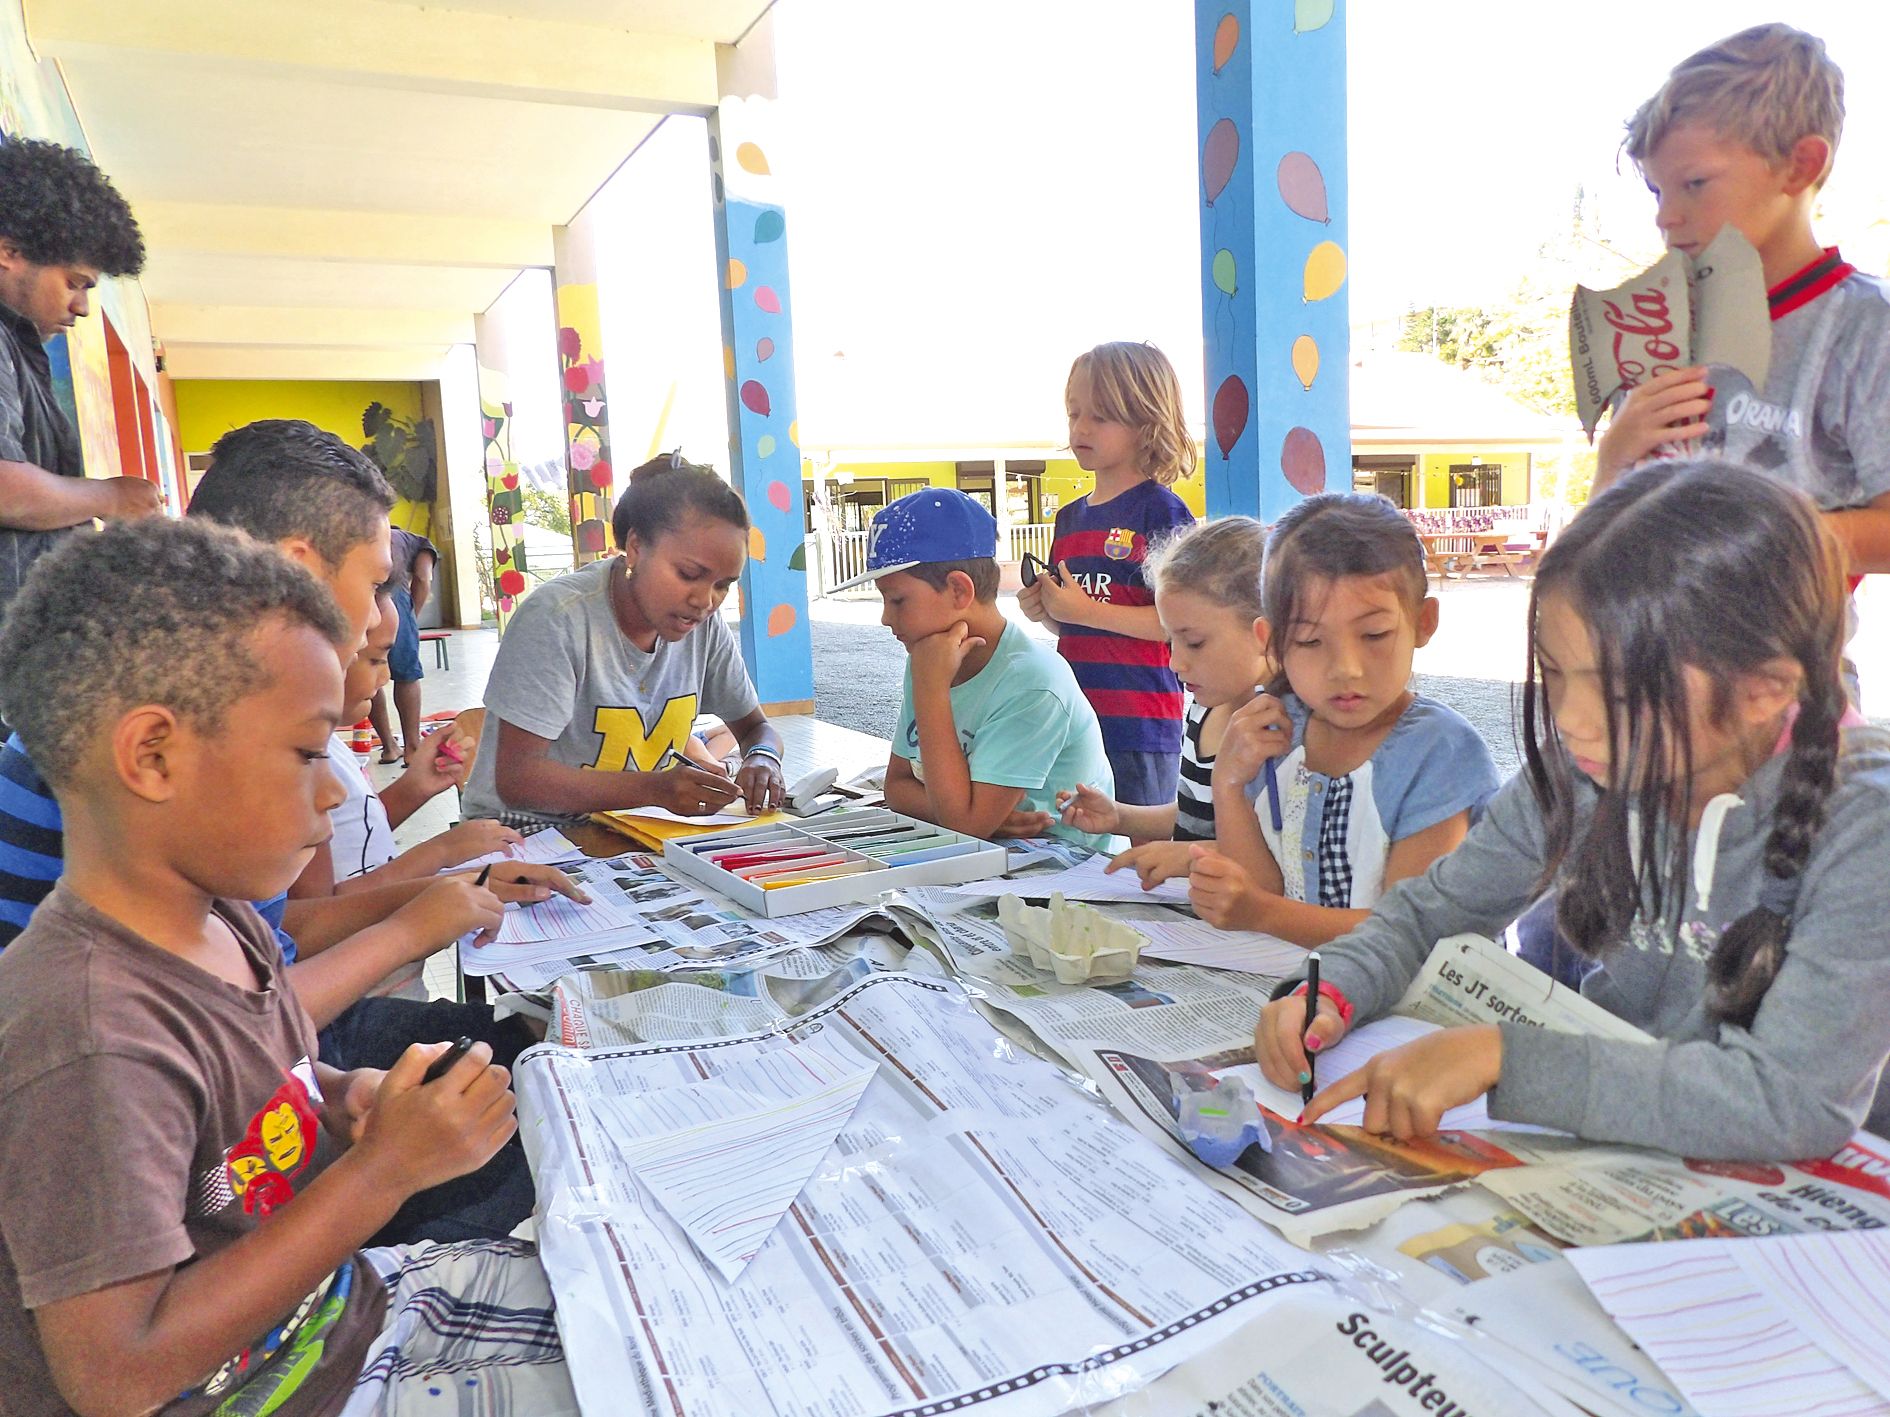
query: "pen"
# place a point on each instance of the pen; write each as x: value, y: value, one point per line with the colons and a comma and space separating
x: 1273, y: 795
x: 442, y: 1064
x: 487, y: 871
x: 1307, y: 1088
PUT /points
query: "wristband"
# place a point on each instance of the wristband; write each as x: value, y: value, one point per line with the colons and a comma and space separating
x: 1330, y: 991
x: 763, y: 750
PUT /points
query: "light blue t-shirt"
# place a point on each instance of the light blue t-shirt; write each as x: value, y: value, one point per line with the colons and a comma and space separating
x: 1337, y: 832
x: 1022, y: 722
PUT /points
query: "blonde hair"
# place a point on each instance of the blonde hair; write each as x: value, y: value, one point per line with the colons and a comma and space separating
x: 1766, y: 87
x: 1218, y: 561
x: 1135, y: 384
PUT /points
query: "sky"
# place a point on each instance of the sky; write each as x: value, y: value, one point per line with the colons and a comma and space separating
x: 980, y: 191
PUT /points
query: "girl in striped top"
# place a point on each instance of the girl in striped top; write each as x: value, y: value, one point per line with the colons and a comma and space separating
x: 1206, y: 580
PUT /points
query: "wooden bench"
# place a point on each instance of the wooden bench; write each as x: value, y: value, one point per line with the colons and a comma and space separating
x: 437, y: 638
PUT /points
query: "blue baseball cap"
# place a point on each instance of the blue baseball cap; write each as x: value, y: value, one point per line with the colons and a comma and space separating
x: 936, y: 524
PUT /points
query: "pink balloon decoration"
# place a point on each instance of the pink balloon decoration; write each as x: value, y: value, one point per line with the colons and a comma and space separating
x: 1219, y: 157
x: 778, y: 495
x: 766, y: 299
x: 764, y: 349
x: 755, y: 398
x: 1303, y: 187
x: 1230, y: 413
x: 1303, y: 460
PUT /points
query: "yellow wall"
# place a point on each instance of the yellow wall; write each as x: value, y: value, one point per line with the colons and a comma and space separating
x: 1434, y: 475
x: 209, y: 408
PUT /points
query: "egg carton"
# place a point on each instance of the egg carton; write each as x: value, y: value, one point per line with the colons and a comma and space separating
x: 1077, y: 944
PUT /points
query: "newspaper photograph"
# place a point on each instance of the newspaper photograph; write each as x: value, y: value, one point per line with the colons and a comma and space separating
x: 981, y: 1236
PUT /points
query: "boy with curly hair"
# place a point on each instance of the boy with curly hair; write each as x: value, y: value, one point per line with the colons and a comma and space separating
x: 185, y: 1188
x: 62, y: 226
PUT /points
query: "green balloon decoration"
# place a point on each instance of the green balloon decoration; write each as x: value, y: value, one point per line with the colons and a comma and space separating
x: 1224, y: 273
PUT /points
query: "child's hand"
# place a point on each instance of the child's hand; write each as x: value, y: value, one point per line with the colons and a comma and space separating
x: 1030, y: 601
x: 1276, y: 1038
x: 1259, y: 729
x: 439, y: 762
x: 447, y: 909
x: 345, y: 1116
x: 527, y: 883
x: 468, y: 841
x: 690, y: 792
x: 1408, y: 1089
x: 1154, y: 862
x: 1021, y: 822
x: 1088, y: 810
x: 936, y: 659
x: 762, y: 786
x: 424, y: 1133
x: 1668, y: 408
x: 1064, y: 599
x: 1221, y: 891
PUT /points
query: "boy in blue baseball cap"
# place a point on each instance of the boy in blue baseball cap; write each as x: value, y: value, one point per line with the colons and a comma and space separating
x: 993, y: 722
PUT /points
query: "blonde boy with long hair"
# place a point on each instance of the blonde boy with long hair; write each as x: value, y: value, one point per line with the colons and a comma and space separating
x: 1127, y: 428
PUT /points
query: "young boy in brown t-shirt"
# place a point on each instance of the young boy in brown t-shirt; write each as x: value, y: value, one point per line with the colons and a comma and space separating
x: 183, y: 1189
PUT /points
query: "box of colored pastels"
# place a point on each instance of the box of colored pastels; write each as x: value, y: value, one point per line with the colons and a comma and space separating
x: 837, y: 858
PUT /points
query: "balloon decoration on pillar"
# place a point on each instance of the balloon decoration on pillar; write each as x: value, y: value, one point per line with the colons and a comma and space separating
x: 755, y: 398
x: 1231, y: 406
x: 769, y: 226
x: 1306, y: 361
x: 1226, y: 40
x: 1303, y: 187
x: 1303, y: 460
x: 1226, y: 278
x: 1325, y: 271
x: 1219, y: 156
x: 1310, y: 15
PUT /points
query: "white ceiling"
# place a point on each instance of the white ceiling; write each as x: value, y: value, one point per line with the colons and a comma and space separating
x: 302, y: 175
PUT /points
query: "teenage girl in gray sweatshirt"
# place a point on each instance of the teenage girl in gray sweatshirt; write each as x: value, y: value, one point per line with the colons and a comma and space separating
x: 1714, y: 827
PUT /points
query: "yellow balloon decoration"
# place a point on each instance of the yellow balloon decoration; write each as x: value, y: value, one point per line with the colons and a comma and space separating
x: 737, y: 274
x: 728, y: 361
x: 751, y: 159
x: 1306, y: 360
x: 1325, y: 270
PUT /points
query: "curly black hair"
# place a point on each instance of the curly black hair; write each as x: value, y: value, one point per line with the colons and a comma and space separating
x: 146, y: 612
x: 60, y: 210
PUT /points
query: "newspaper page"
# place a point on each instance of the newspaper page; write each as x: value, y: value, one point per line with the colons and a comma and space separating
x: 613, y: 1008
x: 1471, y: 980
x: 982, y: 1237
x: 1324, y: 1356
x: 643, y: 917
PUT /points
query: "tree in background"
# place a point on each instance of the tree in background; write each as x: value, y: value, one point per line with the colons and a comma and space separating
x: 407, y: 453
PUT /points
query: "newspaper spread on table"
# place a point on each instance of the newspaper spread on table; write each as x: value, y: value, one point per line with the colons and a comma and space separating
x: 982, y: 1237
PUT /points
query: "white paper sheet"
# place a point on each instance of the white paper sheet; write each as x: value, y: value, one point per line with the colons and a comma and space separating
x: 549, y: 847
x: 734, y: 1153
x: 1188, y: 941
x: 1796, y: 1323
x: 1087, y: 880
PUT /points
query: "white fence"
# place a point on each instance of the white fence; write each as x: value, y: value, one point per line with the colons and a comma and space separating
x: 1440, y: 519
x: 1034, y: 538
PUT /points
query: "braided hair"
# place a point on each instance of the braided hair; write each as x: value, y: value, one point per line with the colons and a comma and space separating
x: 1697, y: 564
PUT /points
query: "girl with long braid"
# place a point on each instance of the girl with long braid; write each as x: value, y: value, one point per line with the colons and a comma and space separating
x: 1713, y: 820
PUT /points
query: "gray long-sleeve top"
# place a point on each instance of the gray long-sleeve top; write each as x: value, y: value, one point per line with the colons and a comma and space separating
x: 1796, y: 1085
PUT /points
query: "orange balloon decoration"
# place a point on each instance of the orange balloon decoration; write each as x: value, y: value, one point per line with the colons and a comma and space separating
x: 780, y: 620
x: 1226, y: 40
x: 757, y: 544
x: 1306, y: 360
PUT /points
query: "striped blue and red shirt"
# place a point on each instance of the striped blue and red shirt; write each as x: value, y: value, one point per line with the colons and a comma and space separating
x: 1126, y: 680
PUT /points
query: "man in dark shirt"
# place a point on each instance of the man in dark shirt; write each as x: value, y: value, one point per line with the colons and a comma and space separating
x: 62, y: 227
x: 412, y: 583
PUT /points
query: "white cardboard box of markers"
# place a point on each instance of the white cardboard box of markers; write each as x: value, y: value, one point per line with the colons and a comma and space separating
x: 838, y: 858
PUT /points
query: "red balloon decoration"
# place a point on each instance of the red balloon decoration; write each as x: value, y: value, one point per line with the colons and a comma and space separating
x: 755, y: 398
x: 1303, y: 460
x: 1231, y: 406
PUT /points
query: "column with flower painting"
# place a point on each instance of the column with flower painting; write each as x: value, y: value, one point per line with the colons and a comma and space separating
x: 504, y: 566
x: 581, y: 373
x: 758, y: 362
x: 1270, y: 99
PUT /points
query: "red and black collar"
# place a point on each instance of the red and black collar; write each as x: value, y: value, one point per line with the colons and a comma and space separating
x: 1802, y: 287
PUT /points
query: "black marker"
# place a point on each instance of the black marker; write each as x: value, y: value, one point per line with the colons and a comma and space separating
x: 1310, y: 1086
x: 486, y: 874
x: 442, y: 1064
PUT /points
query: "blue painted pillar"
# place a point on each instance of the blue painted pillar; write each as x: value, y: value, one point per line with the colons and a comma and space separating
x: 758, y: 365
x: 1270, y: 99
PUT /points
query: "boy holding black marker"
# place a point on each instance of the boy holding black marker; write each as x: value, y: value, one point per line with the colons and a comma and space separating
x: 993, y: 722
